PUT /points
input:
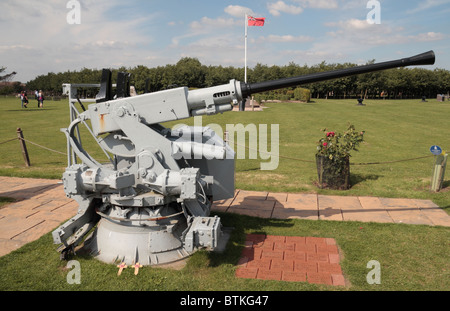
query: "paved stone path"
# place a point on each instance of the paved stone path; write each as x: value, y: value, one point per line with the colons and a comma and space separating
x: 42, y: 206
x: 340, y: 208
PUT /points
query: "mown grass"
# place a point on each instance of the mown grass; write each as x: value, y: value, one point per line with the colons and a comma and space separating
x: 412, y: 257
x: 395, y: 130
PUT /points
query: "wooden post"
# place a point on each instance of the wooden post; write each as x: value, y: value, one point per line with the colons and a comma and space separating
x: 24, y: 147
x: 438, y: 172
x: 225, y: 138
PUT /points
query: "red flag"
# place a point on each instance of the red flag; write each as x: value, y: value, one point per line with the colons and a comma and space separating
x: 256, y: 21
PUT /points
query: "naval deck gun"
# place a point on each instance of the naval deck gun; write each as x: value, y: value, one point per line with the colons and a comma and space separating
x: 151, y: 203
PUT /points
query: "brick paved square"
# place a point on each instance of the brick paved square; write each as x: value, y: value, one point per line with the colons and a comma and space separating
x: 246, y: 273
x: 291, y: 259
x: 319, y: 278
x: 293, y: 276
x: 297, y: 256
x: 263, y: 263
x: 305, y: 266
x: 275, y: 238
x: 329, y: 267
x: 314, y: 257
x: 282, y: 265
x: 284, y: 246
x: 267, y: 245
x: 264, y: 274
x: 272, y: 254
x: 305, y: 247
x: 296, y: 239
x: 338, y: 279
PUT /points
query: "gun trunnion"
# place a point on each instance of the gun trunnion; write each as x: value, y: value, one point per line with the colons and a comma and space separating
x: 151, y: 203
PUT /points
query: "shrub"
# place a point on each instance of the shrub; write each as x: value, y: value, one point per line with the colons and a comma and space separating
x: 302, y: 94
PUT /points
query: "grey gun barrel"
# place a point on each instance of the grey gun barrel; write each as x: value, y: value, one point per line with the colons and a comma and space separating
x: 427, y: 58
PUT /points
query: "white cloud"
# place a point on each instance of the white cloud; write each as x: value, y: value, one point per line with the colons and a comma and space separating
x: 281, y: 7
x: 238, y: 11
x: 286, y: 38
x: 42, y: 41
x: 427, y: 4
x: 206, y: 26
x: 429, y: 36
x: 354, y: 24
x: 361, y: 31
x: 318, y: 4
x: 206, y: 23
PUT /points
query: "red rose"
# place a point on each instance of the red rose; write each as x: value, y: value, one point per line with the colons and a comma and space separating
x: 325, y: 144
x: 330, y: 134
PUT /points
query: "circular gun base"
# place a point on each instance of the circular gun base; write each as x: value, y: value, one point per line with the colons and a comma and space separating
x: 113, y: 242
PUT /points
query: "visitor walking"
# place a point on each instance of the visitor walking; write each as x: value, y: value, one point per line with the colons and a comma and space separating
x: 21, y: 98
x: 24, y: 100
x: 41, y: 99
x: 36, y: 96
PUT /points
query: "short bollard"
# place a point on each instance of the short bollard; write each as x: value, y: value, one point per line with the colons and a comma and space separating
x: 438, y: 172
x: 23, y: 146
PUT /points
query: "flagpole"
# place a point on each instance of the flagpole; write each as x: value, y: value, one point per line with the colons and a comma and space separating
x: 242, y: 103
x: 246, y: 26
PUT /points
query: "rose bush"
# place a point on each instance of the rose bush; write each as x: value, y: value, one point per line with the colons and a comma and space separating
x: 338, y: 146
x: 332, y: 157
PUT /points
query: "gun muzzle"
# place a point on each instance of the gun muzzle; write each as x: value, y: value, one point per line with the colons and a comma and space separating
x: 427, y: 58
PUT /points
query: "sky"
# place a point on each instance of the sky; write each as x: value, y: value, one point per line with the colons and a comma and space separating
x: 37, y: 37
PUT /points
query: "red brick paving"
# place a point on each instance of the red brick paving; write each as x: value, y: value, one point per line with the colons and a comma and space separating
x: 291, y: 259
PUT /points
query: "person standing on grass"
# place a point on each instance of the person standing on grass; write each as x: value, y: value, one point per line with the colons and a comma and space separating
x: 24, y: 100
x: 21, y: 98
x: 41, y: 99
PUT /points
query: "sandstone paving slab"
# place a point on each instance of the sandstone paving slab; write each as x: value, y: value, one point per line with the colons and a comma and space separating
x: 279, y: 197
x: 8, y: 245
x: 249, y: 195
x: 252, y: 207
x: 373, y: 211
x: 13, y: 226
x: 281, y: 211
x: 297, y: 206
x: 36, y: 231
x: 405, y: 211
x: 433, y: 212
x: 302, y: 199
x: 40, y: 207
x: 221, y: 205
x: 330, y: 207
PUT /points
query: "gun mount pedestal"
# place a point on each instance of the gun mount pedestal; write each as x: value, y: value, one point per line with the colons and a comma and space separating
x: 151, y: 203
x: 151, y: 245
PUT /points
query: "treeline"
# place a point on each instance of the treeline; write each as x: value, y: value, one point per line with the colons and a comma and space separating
x: 393, y: 83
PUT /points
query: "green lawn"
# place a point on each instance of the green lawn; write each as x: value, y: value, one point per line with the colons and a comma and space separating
x: 412, y: 257
x: 395, y: 130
